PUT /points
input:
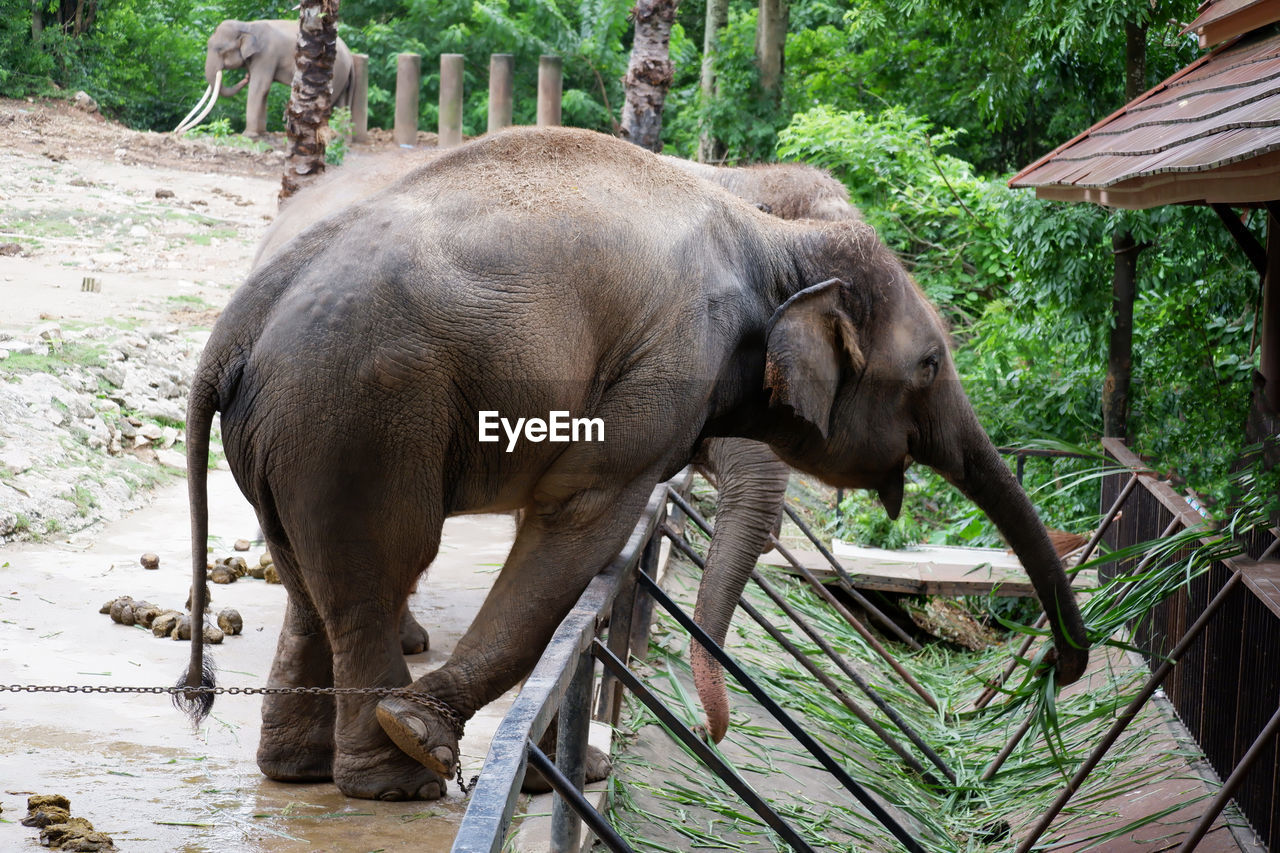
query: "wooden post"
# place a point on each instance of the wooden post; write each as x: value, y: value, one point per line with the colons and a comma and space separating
x: 550, y: 82
x: 408, y: 75
x: 449, y: 127
x: 360, y: 97
x: 501, y: 68
x: 1270, y: 320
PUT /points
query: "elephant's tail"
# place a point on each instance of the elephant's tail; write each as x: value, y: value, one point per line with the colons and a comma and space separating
x: 200, y: 671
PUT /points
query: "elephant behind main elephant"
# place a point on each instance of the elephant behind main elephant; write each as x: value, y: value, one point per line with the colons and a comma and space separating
x: 752, y: 480
x: 267, y: 50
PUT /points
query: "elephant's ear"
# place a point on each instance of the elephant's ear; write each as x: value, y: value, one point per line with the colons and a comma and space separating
x: 812, y: 337
x: 249, y: 43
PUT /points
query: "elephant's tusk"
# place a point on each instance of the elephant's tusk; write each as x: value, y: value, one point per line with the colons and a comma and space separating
x: 188, y: 123
x: 194, y: 110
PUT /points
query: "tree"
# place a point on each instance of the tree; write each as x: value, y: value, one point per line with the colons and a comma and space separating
x: 649, y: 73
x: 312, y: 99
x: 709, y: 148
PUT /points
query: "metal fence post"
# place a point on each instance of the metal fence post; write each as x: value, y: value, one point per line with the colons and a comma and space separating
x: 571, y: 753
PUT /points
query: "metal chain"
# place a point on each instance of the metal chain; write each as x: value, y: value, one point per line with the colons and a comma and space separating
x: 217, y: 691
x: 454, y: 718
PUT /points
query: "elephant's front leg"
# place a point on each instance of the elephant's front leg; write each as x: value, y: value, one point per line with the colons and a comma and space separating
x: 255, y: 111
x: 558, y: 550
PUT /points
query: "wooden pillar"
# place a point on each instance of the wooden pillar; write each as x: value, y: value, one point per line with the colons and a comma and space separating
x: 359, y: 97
x: 550, y: 82
x: 408, y: 76
x: 449, y: 127
x: 1269, y: 322
x: 1115, y: 389
x: 501, y: 70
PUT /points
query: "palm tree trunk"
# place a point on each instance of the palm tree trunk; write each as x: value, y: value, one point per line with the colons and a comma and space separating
x: 709, y: 148
x: 312, y: 98
x: 649, y: 73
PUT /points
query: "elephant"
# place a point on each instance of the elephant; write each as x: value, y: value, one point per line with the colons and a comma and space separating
x: 529, y: 274
x: 752, y: 481
x: 267, y: 50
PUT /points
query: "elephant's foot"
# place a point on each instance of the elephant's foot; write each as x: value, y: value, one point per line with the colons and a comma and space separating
x: 414, y: 639
x: 425, y: 729
x: 386, y: 774
x: 282, y: 757
x: 598, y: 767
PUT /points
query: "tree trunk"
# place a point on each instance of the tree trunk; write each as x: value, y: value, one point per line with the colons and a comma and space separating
x: 709, y: 148
x: 771, y: 39
x: 37, y: 20
x: 1115, y: 389
x: 308, y: 113
x: 649, y: 73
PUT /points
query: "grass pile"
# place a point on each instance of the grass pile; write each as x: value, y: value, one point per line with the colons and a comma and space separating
x: 664, y: 800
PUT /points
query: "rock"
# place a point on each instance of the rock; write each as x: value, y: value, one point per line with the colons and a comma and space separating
x: 139, y: 231
x: 10, y: 249
x: 83, y: 101
x: 172, y: 459
x: 241, y: 545
x: 150, y: 561
x: 222, y: 574
x: 151, y: 432
x: 230, y: 621
x: 164, y: 193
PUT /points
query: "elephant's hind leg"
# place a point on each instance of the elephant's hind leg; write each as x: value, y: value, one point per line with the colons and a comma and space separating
x: 296, y: 743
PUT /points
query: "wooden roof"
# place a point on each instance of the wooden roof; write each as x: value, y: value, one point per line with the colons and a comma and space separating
x: 1220, y: 20
x: 1210, y: 133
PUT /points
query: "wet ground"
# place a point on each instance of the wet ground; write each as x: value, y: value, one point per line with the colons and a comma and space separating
x: 131, y: 764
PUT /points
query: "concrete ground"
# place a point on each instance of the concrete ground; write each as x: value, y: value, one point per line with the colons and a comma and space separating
x: 131, y: 764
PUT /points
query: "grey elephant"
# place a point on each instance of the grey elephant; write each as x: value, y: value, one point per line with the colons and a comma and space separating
x: 267, y: 50
x: 359, y: 369
x: 752, y: 480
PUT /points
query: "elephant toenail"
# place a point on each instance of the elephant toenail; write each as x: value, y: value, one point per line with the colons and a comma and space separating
x: 394, y: 795
x: 431, y: 791
x: 415, y: 725
x: 444, y: 755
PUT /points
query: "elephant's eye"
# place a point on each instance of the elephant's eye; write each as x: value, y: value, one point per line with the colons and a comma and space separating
x: 929, y: 368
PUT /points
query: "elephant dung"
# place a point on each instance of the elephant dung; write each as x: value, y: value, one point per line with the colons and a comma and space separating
x: 163, y: 624
x: 222, y: 574
x: 44, y: 809
x: 182, y: 631
x: 241, y: 545
x: 75, y: 834
x: 230, y: 622
x: 270, y: 575
x: 150, y: 561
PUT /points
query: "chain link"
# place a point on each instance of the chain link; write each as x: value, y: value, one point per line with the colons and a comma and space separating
x: 217, y: 691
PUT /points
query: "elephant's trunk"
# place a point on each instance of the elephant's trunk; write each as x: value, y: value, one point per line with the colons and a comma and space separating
x: 232, y: 91
x: 752, y: 483
x: 987, y: 481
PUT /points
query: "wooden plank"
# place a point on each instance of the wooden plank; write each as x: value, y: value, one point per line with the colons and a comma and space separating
x: 929, y: 571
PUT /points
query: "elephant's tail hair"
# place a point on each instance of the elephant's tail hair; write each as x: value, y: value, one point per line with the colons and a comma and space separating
x: 201, y: 406
x: 197, y: 705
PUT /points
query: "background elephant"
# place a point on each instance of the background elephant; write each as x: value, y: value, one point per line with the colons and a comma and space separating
x: 752, y: 481
x: 267, y: 52
x: 352, y: 365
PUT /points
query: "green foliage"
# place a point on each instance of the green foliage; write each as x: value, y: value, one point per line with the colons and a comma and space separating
x: 335, y: 150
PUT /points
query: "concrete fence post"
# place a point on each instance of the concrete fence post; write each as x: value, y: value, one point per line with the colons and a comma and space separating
x: 408, y: 77
x: 359, y: 97
x: 501, y: 69
x: 550, y: 82
x: 450, y: 125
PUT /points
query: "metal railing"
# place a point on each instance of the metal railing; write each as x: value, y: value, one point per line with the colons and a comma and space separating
x: 622, y: 598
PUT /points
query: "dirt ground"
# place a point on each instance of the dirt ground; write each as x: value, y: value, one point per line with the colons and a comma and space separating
x: 167, y: 228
